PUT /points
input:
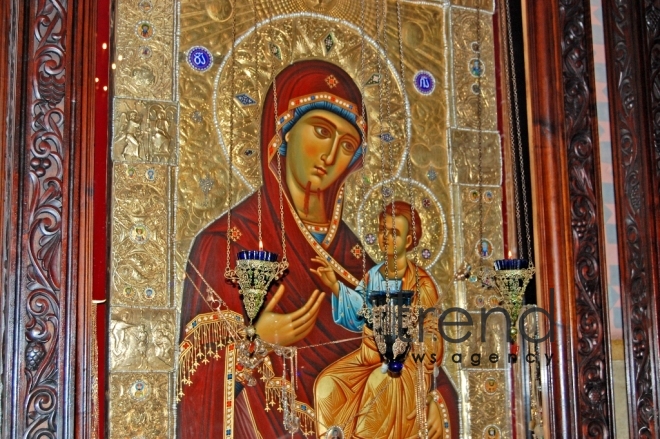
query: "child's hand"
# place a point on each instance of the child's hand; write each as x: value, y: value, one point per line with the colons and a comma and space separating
x: 326, y: 274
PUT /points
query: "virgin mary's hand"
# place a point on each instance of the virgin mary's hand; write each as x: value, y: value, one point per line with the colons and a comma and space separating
x: 287, y: 329
x: 434, y: 421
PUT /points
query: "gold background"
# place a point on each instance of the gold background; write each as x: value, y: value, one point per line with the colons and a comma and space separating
x: 186, y: 188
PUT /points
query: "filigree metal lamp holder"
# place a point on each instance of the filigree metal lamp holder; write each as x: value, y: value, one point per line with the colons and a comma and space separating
x: 254, y: 272
x: 386, y: 314
x: 510, y: 279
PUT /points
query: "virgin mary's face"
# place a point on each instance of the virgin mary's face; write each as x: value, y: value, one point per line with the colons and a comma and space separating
x: 320, y: 147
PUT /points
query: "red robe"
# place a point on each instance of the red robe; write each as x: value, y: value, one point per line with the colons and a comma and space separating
x: 200, y: 413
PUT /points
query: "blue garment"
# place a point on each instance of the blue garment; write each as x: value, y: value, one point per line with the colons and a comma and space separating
x: 348, y: 303
x: 318, y: 236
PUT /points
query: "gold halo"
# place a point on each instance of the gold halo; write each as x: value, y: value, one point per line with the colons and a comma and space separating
x: 307, y: 30
x: 434, y: 222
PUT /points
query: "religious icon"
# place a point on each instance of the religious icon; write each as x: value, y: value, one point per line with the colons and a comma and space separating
x: 145, y: 30
x: 128, y: 291
x: 318, y: 136
x: 484, y: 248
x: 492, y: 432
x: 490, y: 385
x: 139, y: 390
x: 476, y: 67
x: 139, y: 234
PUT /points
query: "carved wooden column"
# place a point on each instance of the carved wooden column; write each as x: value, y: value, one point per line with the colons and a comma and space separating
x: 632, y: 42
x: 567, y: 214
x: 594, y: 368
x: 47, y: 98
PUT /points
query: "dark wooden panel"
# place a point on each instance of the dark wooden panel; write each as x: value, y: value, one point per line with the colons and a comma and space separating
x: 594, y: 370
x: 630, y: 35
x: 46, y: 217
x: 12, y: 73
x: 567, y: 199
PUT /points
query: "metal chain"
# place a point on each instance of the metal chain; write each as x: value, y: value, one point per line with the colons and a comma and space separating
x: 257, y: 45
x: 232, y: 81
x: 411, y: 194
x: 518, y: 140
x: 279, y: 157
x: 390, y: 145
x: 363, y: 183
x: 511, y: 74
x: 380, y: 21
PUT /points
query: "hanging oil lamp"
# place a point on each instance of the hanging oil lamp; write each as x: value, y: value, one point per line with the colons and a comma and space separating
x: 255, y: 271
x: 510, y: 279
x: 390, y: 320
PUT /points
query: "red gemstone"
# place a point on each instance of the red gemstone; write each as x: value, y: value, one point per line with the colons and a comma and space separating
x: 239, y: 367
x: 513, y: 350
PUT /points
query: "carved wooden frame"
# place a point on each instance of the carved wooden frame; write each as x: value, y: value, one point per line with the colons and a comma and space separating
x: 569, y: 234
x: 632, y: 44
x: 46, y: 211
x: 47, y: 156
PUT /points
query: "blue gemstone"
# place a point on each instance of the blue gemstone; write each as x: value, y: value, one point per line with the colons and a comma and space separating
x: 312, y: 97
x: 387, y: 137
x: 229, y: 376
x: 395, y: 366
x: 245, y: 99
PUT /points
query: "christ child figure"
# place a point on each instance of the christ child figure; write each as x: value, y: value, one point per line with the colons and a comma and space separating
x: 346, y: 386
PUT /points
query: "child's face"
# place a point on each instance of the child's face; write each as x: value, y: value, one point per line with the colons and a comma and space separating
x: 403, y: 239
